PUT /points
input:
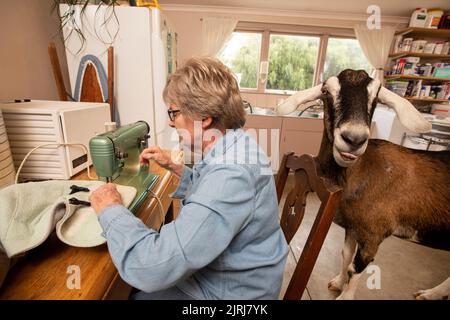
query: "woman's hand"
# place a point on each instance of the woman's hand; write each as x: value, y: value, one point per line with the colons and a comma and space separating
x: 163, y: 158
x: 105, y: 196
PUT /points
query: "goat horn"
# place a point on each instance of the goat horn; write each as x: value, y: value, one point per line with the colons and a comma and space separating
x: 292, y: 103
x: 408, y: 115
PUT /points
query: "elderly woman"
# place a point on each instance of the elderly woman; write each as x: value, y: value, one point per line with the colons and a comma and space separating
x: 226, y: 242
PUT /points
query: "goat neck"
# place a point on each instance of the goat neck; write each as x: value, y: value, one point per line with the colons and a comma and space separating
x: 327, y: 165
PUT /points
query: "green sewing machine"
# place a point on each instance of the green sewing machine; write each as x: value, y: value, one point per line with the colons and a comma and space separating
x: 115, y: 156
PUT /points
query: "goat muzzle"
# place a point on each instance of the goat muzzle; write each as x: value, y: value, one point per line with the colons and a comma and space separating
x: 348, y: 156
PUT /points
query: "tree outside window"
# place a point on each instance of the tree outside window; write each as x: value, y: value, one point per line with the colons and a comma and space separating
x: 292, y: 60
x: 343, y: 54
x: 241, y: 55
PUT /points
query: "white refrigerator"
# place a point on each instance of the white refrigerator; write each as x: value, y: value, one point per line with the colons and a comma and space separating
x: 144, y: 54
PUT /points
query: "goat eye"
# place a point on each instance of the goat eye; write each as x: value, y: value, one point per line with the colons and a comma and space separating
x: 324, y: 91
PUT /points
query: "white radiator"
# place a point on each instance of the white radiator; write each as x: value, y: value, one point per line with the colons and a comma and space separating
x: 7, y: 171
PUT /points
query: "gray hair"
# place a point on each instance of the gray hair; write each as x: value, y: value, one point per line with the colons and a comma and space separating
x: 205, y: 87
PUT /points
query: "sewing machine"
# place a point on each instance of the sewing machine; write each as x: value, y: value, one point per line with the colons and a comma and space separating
x: 115, y: 156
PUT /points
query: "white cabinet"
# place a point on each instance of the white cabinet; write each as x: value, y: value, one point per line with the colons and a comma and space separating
x: 301, y: 135
x: 266, y: 130
x: 278, y: 135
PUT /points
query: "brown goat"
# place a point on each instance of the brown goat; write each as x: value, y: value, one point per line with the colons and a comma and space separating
x: 386, y: 187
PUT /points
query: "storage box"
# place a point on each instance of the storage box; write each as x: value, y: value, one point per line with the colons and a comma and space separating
x: 398, y: 87
x: 441, y: 109
x: 442, y: 72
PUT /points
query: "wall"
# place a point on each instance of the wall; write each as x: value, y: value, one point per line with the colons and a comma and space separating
x: 189, y: 28
x: 26, y: 29
x: 187, y: 21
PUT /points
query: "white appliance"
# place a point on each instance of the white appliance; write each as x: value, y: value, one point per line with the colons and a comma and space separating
x: 387, y: 126
x: 35, y: 123
x: 144, y: 54
x: 7, y: 171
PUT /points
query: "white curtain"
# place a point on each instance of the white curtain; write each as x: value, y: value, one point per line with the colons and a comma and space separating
x: 216, y: 31
x: 375, y: 43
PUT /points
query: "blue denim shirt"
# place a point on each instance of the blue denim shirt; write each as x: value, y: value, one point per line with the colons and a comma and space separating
x: 226, y: 242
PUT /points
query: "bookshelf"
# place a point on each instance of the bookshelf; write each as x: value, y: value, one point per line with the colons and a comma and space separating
x: 424, y: 33
x: 412, y: 73
x: 412, y: 77
x: 426, y: 99
x: 420, y: 55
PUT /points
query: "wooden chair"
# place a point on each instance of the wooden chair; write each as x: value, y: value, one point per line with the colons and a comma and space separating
x: 307, y: 180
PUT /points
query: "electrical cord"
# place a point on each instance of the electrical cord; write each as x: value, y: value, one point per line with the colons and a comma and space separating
x: 160, y: 205
x: 161, y: 208
x: 52, y: 144
x: 178, y: 159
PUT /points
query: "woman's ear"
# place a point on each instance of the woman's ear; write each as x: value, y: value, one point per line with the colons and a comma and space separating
x: 206, y: 123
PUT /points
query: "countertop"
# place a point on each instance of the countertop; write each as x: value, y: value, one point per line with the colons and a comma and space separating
x: 262, y: 111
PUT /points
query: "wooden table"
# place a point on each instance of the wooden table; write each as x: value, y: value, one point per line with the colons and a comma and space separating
x: 45, y: 271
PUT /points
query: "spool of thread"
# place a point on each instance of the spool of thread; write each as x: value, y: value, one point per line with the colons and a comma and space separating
x: 110, y: 126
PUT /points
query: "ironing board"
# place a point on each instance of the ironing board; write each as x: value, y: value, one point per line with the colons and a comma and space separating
x: 91, y: 84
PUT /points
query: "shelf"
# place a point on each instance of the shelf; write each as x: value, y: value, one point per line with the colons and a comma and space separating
x: 425, y: 99
x: 420, y: 55
x: 401, y: 76
x: 425, y: 32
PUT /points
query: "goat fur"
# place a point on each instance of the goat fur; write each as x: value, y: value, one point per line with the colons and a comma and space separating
x: 389, y: 188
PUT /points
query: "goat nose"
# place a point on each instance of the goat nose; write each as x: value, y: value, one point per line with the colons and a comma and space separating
x: 355, y: 139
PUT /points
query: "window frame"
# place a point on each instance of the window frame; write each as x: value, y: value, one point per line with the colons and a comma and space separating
x: 289, y: 92
x: 325, y: 53
x: 257, y: 75
x: 265, y: 29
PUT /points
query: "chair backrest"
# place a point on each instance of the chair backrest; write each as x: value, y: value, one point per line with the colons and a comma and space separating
x: 307, y: 180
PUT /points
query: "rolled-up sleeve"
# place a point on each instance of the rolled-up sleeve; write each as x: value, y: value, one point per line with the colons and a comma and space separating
x: 149, y: 260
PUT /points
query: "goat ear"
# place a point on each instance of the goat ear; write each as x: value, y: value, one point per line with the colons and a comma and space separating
x: 408, y: 115
x: 292, y: 103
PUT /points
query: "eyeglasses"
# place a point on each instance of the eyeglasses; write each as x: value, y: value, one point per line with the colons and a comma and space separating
x: 172, y: 114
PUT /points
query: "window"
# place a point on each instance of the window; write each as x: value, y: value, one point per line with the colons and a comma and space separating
x: 241, y: 54
x: 295, y: 61
x: 343, y: 54
x: 292, y: 60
